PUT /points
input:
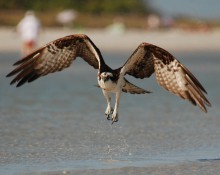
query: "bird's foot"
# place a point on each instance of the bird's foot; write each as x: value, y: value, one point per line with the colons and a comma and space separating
x: 108, y: 113
x: 114, y: 117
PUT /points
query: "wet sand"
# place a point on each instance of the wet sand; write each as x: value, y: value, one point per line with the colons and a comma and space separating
x: 209, y: 167
x: 56, y: 125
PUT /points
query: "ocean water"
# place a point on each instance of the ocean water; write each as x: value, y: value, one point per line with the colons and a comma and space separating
x: 56, y: 125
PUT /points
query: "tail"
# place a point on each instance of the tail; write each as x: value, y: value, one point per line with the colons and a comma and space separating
x: 132, y: 89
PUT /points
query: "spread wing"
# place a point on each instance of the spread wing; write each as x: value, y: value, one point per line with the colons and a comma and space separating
x: 56, y: 56
x: 169, y: 72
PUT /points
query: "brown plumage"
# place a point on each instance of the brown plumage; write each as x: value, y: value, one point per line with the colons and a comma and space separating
x: 169, y: 72
x: 55, y: 56
x: 145, y: 60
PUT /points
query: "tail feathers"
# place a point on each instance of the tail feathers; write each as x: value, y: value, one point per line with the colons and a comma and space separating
x: 132, y: 89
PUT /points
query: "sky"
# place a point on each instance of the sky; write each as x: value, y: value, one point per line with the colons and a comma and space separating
x: 204, y: 9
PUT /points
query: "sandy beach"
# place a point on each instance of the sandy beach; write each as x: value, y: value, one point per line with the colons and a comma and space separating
x: 173, y: 39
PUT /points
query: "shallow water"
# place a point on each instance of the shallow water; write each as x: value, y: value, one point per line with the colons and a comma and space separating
x: 57, y: 123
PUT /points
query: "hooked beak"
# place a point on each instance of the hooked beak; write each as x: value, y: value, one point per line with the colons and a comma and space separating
x: 105, y: 78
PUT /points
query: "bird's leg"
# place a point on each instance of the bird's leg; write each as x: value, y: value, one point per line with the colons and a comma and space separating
x: 115, y: 112
x: 108, y: 110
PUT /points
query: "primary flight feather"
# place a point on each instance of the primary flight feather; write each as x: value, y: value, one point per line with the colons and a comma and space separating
x: 145, y: 60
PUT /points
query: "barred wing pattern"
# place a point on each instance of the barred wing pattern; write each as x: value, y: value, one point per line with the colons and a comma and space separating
x: 146, y: 60
x: 169, y: 72
x: 56, y: 56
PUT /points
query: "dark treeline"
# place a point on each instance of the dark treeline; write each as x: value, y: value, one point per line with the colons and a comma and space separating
x: 87, y: 6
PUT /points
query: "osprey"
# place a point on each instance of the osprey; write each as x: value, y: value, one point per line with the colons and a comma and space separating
x: 145, y: 60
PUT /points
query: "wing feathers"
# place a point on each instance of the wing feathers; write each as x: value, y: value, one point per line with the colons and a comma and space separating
x: 22, y: 74
x: 193, y: 78
x: 169, y: 72
x: 145, y: 60
x: 198, y: 91
x: 56, y: 56
x: 28, y: 57
x: 140, y: 64
x: 194, y: 96
x: 26, y: 64
x: 25, y: 79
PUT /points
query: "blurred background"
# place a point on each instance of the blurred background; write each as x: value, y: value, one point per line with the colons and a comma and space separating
x: 194, y: 15
x: 59, y: 18
x: 57, y: 123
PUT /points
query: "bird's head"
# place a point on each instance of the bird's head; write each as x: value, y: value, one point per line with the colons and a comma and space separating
x: 105, y: 76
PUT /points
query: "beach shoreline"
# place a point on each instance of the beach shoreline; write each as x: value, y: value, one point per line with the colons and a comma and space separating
x: 173, y: 40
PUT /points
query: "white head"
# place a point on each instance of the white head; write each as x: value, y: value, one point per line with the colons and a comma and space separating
x: 105, y: 76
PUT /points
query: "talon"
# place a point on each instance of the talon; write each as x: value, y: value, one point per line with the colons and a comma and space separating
x: 108, y: 117
x: 114, y: 118
x: 113, y: 121
x: 109, y: 113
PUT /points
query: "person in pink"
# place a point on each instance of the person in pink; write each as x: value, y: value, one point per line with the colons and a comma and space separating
x: 29, y: 28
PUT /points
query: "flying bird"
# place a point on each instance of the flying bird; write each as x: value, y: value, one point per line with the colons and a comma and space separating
x: 144, y: 61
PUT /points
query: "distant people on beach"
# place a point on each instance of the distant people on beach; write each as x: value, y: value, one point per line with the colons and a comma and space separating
x: 117, y: 27
x: 153, y: 22
x: 66, y: 18
x: 29, y: 29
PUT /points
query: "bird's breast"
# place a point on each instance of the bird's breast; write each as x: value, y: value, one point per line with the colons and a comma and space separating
x: 107, y: 85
